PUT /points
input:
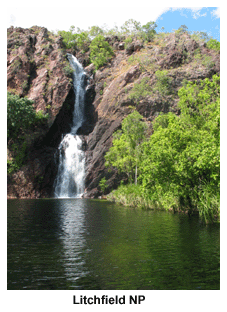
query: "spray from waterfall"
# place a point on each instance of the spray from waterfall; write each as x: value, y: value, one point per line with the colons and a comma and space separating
x: 71, y: 169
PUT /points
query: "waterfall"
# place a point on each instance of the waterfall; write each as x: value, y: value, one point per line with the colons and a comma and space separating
x: 71, y: 169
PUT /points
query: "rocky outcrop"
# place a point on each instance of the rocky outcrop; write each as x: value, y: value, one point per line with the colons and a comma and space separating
x: 38, y: 68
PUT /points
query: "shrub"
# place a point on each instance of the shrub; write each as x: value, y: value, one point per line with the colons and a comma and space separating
x: 128, y: 40
x: 100, y: 51
x: 148, y: 31
x: 103, y: 184
x: 163, y: 83
x: 140, y: 90
x: 21, y: 115
x: 68, y: 70
x: 19, y: 150
x: 213, y: 44
x: 16, y: 65
x: 72, y: 40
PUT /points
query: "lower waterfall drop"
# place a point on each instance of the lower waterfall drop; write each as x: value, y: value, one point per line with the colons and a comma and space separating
x: 69, y: 182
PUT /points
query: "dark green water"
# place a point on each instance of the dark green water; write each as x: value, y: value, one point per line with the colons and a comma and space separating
x: 89, y: 244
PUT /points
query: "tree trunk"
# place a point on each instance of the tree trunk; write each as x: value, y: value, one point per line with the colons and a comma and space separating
x: 136, y: 175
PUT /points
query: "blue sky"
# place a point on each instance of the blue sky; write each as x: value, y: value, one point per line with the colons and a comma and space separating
x: 204, y: 19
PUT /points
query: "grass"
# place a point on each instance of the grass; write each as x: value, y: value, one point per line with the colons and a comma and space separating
x: 206, y: 203
x: 209, y: 204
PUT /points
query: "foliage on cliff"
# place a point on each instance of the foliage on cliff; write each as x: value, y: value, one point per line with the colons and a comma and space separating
x: 21, y: 115
x: 94, y: 39
x: 100, y: 51
x: 180, y: 162
x: 21, y: 118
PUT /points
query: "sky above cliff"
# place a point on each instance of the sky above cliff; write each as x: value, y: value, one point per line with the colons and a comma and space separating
x: 100, y: 13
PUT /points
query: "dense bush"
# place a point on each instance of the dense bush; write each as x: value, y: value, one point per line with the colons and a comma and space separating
x: 213, y: 44
x: 182, y: 156
x: 100, y: 51
x: 21, y: 118
x: 125, y: 154
x: 94, y: 40
x: 73, y: 40
x: 179, y: 166
x: 21, y: 115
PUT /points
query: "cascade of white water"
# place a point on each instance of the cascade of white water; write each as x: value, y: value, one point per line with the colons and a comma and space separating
x: 71, y: 170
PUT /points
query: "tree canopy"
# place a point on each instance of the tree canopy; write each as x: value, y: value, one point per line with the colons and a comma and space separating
x: 21, y: 114
x: 100, y: 51
x: 125, y: 153
x: 179, y: 165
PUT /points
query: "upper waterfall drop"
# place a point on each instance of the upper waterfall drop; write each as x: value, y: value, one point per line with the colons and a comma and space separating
x: 79, y: 90
x: 69, y: 182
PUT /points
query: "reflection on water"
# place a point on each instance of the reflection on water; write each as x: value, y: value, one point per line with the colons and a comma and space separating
x: 89, y: 244
x: 73, y: 241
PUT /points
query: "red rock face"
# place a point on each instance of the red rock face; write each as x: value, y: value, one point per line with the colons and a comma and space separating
x: 36, y: 68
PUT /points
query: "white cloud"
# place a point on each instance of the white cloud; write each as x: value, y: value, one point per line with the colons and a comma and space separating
x: 197, y: 15
x: 183, y: 14
x: 216, y: 13
x: 195, y: 11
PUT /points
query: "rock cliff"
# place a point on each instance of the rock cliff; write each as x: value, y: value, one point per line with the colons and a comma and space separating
x: 38, y: 69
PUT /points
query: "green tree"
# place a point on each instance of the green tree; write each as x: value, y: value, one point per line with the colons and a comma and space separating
x: 182, y: 157
x: 68, y: 38
x: 79, y: 40
x: 131, y: 27
x: 213, y: 44
x: 20, y: 114
x: 103, y: 184
x: 141, y: 89
x: 95, y: 31
x: 148, y: 31
x: 21, y: 118
x: 183, y: 29
x: 125, y: 154
x: 82, y: 41
x: 163, y: 82
x: 100, y: 51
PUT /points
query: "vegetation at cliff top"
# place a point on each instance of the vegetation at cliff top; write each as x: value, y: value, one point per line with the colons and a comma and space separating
x: 178, y: 166
x: 100, y: 51
x: 95, y: 39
